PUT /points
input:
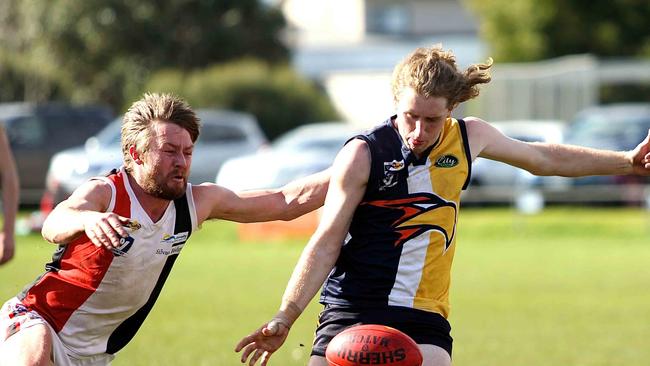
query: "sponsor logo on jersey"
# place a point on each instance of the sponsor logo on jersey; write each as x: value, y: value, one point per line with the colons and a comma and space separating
x: 125, y: 245
x: 174, y: 239
x: 446, y: 161
x: 391, y: 171
x: 172, y: 251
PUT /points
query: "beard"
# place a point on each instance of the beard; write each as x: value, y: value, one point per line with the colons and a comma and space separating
x: 159, y: 186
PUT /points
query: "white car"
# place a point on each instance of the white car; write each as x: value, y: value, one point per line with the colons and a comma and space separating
x: 300, y: 152
x: 496, y: 182
x: 224, y: 135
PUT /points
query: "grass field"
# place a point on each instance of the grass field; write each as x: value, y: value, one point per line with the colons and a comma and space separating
x: 567, y: 287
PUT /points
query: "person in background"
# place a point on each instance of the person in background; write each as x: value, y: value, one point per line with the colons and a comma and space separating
x: 383, y: 250
x: 10, y: 191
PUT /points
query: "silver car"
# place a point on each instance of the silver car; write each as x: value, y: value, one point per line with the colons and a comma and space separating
x: 224, y: 135
x: 300, y: 152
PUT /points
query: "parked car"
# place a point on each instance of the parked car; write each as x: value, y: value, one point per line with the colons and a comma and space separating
x: 616, y: 127
x: 300, y: 152
x: 37, y: 131
x: 224, y: 134
x: 496, y: 182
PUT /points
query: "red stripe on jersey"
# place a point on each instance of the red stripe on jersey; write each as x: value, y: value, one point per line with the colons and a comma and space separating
x: 57, y: 295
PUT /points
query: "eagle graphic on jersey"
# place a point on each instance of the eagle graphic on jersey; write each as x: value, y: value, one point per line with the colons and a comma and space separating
x: 422, y: 212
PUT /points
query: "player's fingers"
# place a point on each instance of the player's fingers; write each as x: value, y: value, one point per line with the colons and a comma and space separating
x: 117, y: 224
x: 111, y: 237
x: 96, y: 236
x: 244, y: 342
x: 247, y: 351
x: 256, y: 356
x: 265, y: 358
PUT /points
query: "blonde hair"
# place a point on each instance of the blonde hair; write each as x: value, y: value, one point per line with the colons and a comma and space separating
x: 137, y: 121
x: 432, y: 72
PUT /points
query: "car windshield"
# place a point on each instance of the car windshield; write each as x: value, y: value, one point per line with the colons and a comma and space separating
x: 595, y: 130
x: 309, y: 140
x: 110, y: 135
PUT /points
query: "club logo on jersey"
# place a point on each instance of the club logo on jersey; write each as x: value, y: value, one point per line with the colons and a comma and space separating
x: 391, y: 171
x: 446, y: 161
x: 423, y: 212
x: 133, y: 225
x: 125, y: 245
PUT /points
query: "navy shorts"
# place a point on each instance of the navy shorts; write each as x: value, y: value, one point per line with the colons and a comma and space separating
x: 423, y: 326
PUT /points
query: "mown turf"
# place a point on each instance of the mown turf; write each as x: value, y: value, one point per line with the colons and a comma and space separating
x: 570, y: 286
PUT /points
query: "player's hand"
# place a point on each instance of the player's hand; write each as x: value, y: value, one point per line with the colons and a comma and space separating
x: 641, y: 157
x: 7, y: 247
x: 105, y: 228
x: 263, y: 342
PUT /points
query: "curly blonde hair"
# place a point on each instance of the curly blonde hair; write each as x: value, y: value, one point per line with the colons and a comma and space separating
x: 432, y: 72
x: 137, y: 121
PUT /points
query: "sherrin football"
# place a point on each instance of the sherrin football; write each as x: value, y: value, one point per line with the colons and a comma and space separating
x: 372, y: 344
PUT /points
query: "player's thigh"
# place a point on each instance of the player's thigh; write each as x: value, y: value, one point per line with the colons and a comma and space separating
x: 30, y: 346
x: 317, y: 361
x: 434, y: 355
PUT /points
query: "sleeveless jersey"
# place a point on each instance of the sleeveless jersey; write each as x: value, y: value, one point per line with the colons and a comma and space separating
x: 96, y: 299
x: 400, y: 244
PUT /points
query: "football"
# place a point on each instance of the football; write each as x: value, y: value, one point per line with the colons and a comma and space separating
x: 372, y: 344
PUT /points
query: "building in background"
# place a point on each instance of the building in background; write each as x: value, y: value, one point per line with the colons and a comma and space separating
x: 351, y: 46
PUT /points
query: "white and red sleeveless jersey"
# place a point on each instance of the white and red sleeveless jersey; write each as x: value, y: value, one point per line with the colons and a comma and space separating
x: 95, y: 298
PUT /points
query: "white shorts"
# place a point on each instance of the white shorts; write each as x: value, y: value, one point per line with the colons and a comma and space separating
x: 14, y: 317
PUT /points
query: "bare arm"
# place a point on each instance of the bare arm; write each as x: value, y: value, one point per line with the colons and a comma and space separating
x: 10, y: 192
x: 347, y: 187
x: 555, y: 159
x: 84, y: 212
x: 291, y: 201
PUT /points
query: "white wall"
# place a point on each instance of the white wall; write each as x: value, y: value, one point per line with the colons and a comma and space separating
x: 330, y: 21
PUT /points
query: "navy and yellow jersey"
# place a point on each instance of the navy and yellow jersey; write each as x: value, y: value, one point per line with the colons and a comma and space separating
x: 400, y: 245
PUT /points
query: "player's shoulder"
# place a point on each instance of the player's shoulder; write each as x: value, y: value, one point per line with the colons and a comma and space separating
x: 96, y: 187
x: 214, y: 201
x: 473, y: 121
x: 207, y: 189
x: 476, y: 127
x: 93, y: 194
x: 354, y: 151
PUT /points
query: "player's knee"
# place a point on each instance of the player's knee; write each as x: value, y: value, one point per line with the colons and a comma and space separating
x: 28, y: 347
x: 434, y: 355
x: 317, y: 361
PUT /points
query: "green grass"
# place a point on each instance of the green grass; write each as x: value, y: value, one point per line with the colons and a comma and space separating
x: 566, y: 287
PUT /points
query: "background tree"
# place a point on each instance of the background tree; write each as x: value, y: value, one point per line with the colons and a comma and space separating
x: 528, y: 30
x: 275, y: 94
x: 105, y: 50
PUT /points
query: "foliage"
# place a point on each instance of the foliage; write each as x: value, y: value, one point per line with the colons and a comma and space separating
x: 528, y: 30
x: 105, y: 50
x: 275, y: 94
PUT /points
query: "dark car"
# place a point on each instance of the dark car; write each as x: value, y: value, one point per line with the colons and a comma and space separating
x: 617, y: 127
x: 38, y: 131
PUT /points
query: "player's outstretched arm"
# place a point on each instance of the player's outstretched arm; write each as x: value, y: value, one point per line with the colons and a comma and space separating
x: 554, y: 159
x: 640, y: 157
x: 287, y: 203
x: 84, y: 212
x: 347, y: 187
